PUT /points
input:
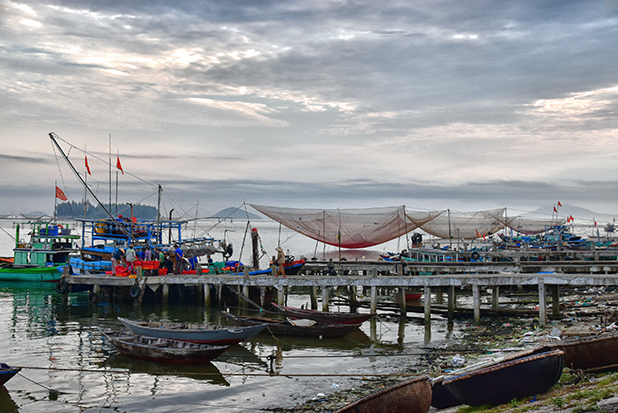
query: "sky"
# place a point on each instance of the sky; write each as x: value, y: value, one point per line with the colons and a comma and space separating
x: 322, y: 104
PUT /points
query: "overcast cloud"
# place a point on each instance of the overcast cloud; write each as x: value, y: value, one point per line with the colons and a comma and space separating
x: 461, y: 105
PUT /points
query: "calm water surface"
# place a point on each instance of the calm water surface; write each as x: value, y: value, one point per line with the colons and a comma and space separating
x: 69, y: 368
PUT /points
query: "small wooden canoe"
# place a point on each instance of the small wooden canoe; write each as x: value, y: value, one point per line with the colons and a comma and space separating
x: 410, y: 396
x: 322, y: 317
x: 7, y: 372
x: 500, y: 383
x: 596, y: 352
x: 206, y: 334
x: 162, y: 349
x: 298, y: 328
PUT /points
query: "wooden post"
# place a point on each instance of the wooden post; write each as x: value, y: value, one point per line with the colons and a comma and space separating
x: 353, y: 300
x: 206, y: 295
x: 542, y: 304
x: 374, y: 299
x: 450, y: 294
x: 427, y: 303
x: 220, y: 293
x: 281, y: 295
x: 325, y: 294
x: 555, y: 300
x: 245, y: 292
x: 402, y: 301
x: 495, y: 298
x: 165, y: 293
x: 476, y: 302
x: 439, y: 295
x: 314, y: 297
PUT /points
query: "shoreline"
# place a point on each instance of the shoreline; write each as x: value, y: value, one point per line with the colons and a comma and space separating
x: 586, y: 313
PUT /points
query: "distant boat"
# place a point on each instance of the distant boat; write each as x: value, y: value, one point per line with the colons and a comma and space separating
x: 162, y: 349
x: 296, y: 328
x: 42, y: 257
x: 500, y: 383
x: 321, y: 316
x: 7, y: 372
x: 207, y: 334
x: 410, y: 396
x: 596, y: 352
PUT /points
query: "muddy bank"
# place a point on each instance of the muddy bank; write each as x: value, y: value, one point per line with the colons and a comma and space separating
x: 584, y: 313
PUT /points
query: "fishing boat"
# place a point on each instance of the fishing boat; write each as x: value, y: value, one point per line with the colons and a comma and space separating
x: 292, y: 267
x: 596, y: 352
x: 206, y: 334
x: 322, y: 317
x: 410, y: 396
x: 502, y: 382
x: 43, y: 256
x: 7, y: 372
x: 162, y: 349
x: 296, y: 328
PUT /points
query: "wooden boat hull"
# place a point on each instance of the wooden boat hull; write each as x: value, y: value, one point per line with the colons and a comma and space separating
x: 411, y: 396
x: 590, y: 353
x: 205, y: 334
x: 291, y: 268
x: 322, y: 317
x: 31, y: 274
x: 442, y: 398
x: 161, y: 349
x: 503, y: 382
x: 7, y: 372
x: 285, y: 328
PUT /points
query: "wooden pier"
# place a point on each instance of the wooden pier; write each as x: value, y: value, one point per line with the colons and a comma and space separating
x: 547, y: 276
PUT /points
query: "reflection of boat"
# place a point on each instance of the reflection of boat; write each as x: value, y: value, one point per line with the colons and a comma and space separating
x: 7, y: 372
x: 356, y: 340
x: 198, y: 334
x: 590, y: 352
x: 38, y: 259
x: 297, y: 328
x: 410, y: 396
x: 7, y: 405
x: 508, y: 380
x: 322, y: 317
x: 197, y: 371
x: 162, y: 349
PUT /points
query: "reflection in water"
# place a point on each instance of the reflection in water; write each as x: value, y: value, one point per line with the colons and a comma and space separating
x: 207, y: 372
x: 6, y: 402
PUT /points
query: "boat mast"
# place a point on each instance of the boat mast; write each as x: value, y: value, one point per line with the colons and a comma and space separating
x: 110, y: 171
x: 66, y: 158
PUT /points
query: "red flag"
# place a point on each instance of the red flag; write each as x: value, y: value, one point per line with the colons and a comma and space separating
x: 572, y: 218
x: 478, y: 234
x: 87, y: 166
x: 559, y: 204
x: 60, y: 194
x: 555, y: 210
x: 595, y: 223
x: 568, y: 219
x: 118, y: 164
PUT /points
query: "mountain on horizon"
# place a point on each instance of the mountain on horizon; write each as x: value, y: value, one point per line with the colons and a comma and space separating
x: 236, y: 213
x: 568, y: 210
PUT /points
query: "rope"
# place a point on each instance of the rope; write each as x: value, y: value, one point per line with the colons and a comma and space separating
x: 116, y: 371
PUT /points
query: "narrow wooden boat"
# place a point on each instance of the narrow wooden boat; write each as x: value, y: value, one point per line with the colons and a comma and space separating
x: 500, y: 383
x: 162, y: 349
x: 7, y: 372
x: 322, y: 317
x: 596, y: 352
x: 410, y: 396
x: 206, y: 334
x: 298, y: 328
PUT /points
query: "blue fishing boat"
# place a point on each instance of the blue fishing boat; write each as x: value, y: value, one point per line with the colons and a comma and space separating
x: 7, y: 372
x: 43, y: 256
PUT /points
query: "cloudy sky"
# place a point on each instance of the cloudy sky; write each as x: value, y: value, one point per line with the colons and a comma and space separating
x: 335, y: 104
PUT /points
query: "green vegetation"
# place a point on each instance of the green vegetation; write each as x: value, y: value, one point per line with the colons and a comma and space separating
x: 76, y: 210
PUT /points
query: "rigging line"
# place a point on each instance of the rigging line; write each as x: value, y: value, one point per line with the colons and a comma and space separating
x: 58, y: 163
x: 99, y: 159
x: 224, y: 374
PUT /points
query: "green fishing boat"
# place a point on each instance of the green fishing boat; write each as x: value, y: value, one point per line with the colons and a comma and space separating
x: 39, y: 259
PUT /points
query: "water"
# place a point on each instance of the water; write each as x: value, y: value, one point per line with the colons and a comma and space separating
x: 69, y: 368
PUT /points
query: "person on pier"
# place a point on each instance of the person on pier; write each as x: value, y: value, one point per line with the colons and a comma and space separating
x: 179, y: 255
x: 280, y: 260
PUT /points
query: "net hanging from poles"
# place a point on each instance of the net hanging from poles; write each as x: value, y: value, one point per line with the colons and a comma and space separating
x: 465, y: 225
x: 347, y: 228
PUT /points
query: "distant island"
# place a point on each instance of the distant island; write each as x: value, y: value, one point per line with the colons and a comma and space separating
x: 76, y: 210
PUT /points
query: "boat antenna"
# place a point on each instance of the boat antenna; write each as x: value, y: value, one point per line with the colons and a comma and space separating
x: 53, y: 139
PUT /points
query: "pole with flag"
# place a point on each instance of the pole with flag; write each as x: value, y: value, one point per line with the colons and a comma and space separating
x: 59, y: 195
